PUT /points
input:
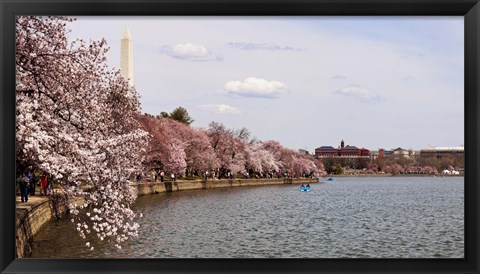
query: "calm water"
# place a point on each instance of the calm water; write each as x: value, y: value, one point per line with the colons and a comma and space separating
x: 348, y: 218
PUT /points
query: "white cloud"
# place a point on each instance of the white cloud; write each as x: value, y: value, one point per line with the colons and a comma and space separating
x: 256, y: 87
x: 191, y: 52
x: 261, y: 46
x: 362, y: 94
x: 220, y: 109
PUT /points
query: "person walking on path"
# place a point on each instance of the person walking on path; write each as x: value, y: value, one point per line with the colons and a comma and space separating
x: 24, y: 185
x: 206, y: 175
x: 172, y: 176
x: 139, y: 178
x: 162, y: 175
x: 32, y: 183
x: 50, y: 185
x: 44, y: 185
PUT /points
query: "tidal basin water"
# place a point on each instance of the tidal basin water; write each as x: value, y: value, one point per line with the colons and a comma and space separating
x: 379, y: 217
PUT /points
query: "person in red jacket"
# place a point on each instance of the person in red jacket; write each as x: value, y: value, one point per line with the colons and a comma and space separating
x: 44, y: 184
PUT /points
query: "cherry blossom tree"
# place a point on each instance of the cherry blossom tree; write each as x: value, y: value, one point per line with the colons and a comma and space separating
x: 259, y: 159
x: 178, y: 147
x: 430, y: 170
x: 174, y: 160
x: 425, y: 169
x: 75, y: 121
x: 164, y: 145
x: 79, y: 121
x: 291, y: 161
x: 200, y: 155
x: 393, y: 169
x: 320, y: 167
x: 282, y: 155
x: 303, y: 166
x: 229, y: 149
x: 412, y: 168
x: 372, y: 167
x: 181, y: 148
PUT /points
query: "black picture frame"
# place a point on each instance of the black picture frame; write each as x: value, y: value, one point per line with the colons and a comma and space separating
x: 470, y: 9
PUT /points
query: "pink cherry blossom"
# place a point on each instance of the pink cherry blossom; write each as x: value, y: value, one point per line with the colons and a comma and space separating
x: 75, y: 121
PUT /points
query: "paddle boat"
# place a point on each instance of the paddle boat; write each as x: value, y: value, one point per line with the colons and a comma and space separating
x: 305, y: 188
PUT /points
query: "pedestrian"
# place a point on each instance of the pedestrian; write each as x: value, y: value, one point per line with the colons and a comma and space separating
x: 172, y: 176
x: 153, y: 175
x: 139, y: 178
x: 206, y: 175
x: 44, y: 185
x: 156, y: 175
x: 24, y: 188
x: 49, y: 186
x: 162, y: 175
x: 32, y: 183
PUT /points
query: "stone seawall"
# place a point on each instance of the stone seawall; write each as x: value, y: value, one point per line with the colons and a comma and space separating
x: 30, y: 218
x: 38, y: 211
x: 168, y: 186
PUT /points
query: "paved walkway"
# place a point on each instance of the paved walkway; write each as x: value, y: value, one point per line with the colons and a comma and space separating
x: 32, y: 200
x: 23, y: 209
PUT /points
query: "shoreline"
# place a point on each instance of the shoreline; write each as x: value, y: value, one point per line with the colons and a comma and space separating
x: 391, y: 175
x: 179, y: 185
x: 31, y: 216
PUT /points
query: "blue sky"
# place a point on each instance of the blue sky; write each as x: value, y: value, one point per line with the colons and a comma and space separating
x: 376, y: 82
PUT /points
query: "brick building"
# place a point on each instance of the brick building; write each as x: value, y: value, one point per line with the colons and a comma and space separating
x: 342, y: 151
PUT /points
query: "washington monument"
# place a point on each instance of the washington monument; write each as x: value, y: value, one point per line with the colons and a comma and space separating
x: 126, y: 57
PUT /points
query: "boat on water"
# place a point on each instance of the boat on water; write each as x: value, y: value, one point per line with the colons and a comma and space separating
x: 330, y: 179
x: 305, y: 188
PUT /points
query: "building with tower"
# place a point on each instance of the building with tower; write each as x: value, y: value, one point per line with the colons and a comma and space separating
x: 342, y: 151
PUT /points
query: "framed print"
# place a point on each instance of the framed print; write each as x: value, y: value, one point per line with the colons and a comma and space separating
x: 258, y: 136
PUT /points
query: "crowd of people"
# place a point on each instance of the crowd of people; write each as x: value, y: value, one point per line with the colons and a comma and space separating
x: 155, y: 175
x: 27, y: 183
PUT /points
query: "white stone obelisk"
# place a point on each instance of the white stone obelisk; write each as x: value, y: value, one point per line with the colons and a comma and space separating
x: 126, y: 57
